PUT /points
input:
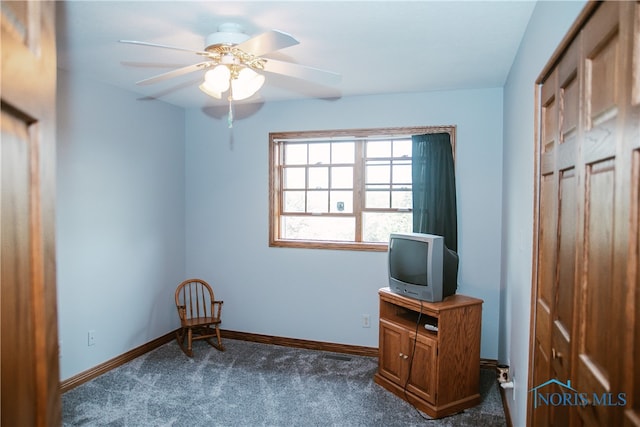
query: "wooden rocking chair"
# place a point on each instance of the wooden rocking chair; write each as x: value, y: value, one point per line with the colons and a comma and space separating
x: 199, y: 315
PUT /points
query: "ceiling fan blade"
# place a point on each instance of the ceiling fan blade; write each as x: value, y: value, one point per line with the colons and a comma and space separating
x: 301, y: 71
x: 164, y: 46
x: 176, y: 73
x: 268, y: 42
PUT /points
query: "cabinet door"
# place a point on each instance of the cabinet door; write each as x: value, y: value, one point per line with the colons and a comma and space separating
x: 422, y: 367
x: 391, y: 355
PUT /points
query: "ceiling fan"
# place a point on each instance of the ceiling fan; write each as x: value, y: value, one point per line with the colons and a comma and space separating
x: 234, y: 61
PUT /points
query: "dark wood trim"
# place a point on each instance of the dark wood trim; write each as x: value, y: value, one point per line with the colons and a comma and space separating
x: 299, y: 343
x: 489, y: 364
x: 105, y: 367
x: 535, y: 247
x: 323, y: 346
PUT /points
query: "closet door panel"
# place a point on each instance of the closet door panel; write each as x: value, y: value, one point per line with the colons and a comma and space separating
x: 549, y: 127
x: 632, y: 411
x: 631, y: 321
x: 602, y: 65
x: 548, y: 219
x: 546, y: 269
x: 568, y: 212
x: 563, y: 314
x: 19, y: 379
x: 595, y: 355
x: 547, y: 242
x: 602, y: 47
x: 598, y: 348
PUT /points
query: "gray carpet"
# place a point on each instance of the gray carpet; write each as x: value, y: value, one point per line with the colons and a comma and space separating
x: 253, y: 384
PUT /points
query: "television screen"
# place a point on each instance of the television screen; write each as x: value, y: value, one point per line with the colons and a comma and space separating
x: 409, y: 266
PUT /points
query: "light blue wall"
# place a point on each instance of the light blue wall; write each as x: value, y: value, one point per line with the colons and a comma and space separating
x: 321, y: 294
x: 120, y: 220
x: 548, y: 25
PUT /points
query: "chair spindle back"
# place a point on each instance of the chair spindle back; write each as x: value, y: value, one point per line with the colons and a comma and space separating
x: 195, y: 297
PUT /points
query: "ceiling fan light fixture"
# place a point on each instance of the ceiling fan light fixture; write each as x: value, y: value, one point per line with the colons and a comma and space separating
x: 246, y: 84
x: 206, y: 89
x: 218, y: 78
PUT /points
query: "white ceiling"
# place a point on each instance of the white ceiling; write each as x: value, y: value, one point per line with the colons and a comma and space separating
x: 377, y: 46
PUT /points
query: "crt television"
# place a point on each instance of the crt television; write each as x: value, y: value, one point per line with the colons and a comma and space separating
x: 422, y: 267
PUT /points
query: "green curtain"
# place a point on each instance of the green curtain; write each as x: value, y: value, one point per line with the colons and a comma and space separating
x: 434, y: 187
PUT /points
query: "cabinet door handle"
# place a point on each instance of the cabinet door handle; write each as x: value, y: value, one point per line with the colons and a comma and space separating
x: 400, y: 355
x: 405, y: 356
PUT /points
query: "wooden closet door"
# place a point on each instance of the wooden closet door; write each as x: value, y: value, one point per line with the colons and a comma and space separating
x: 606, y: 218
x: 569, y: 226
x: 558, y: 233
x: 631, y: 372
x: 587, y: 288
x: 30, y: 380
x: 631, y: 320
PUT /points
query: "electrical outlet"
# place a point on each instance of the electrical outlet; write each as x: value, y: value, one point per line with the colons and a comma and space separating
x: 366, y: 321
x: 91, y: 338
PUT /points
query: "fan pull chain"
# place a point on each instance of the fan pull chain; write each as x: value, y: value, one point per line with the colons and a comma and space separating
x: 230, y: 116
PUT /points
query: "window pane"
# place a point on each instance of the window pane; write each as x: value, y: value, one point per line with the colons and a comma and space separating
x: 377, y: 199
x: 295, y: 154
x: 319, y: 153
x: 343, y: 152
x: 402, y: 200
x: 378, y: 149
x: 293, y: 201
x: 294, y: 178
x: 377, y: 226
x: 319, y: 177
x: 402, y: 148
x: 378, y: 174
x: 342, y: 177
x: 401, y: 173
x: 341, y: 201
x: 318, y: 228
x: 318, y: 201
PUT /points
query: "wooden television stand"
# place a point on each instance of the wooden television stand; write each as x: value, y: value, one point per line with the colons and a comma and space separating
x: 436, y: 371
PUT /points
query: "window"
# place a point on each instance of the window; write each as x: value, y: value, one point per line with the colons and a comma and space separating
x: 345, y: 189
